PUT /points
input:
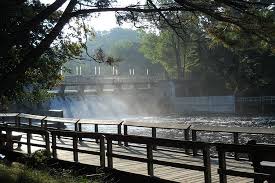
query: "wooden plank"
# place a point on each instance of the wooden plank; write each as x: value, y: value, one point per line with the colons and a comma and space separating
x: 63, y: 120
x: 100, y: 122
x: 8, y: 114
x: 248, y: 130
x: 31, y: 116
x: 157, y: 125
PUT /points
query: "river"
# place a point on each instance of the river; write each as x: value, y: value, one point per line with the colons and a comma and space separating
x: 109, y: 107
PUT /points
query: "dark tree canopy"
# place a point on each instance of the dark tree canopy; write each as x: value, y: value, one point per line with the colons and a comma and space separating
x: 32, y: 40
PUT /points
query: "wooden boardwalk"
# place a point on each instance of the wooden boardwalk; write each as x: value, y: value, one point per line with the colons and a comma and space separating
x: 168, y: 159
x: 163, y: 172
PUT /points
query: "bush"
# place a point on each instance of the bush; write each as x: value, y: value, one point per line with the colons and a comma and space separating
x: 18, y: 173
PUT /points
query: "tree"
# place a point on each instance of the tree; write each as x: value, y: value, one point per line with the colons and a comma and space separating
x: 244, y: 15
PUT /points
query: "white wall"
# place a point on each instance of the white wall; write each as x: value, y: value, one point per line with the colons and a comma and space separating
x: 223, y: 104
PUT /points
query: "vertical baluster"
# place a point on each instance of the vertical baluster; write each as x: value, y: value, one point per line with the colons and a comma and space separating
x: 80, y: 130
x: 236, y: 141
x: 102, y: 151
x: 186, y: 137
x: 125, y: 133
x: 30, y: 124
x: 150, y: 166
x: 47, y: 141
x: 207, y: 164
x: 75, y: 150
x: 222, y: 166
x: 109, y: 153
x: 29, y: 142
x: 154, y: 135
x: 18, y: 121
x: 54, y: 145
x: 96, y: 131
x: 194, y: 139
x: 9, y: 143
x: 119, y: 132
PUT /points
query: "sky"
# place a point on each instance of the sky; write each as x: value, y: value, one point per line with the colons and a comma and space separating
x: 107, y: 20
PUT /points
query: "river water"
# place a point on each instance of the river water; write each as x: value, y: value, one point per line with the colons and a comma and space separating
x: 110, y: 107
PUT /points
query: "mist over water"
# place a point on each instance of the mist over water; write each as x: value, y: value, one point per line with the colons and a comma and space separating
x: 101, y: 106
x: 137, y: 109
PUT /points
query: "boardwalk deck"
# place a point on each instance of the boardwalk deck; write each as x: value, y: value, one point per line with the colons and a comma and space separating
x: 164, y: 172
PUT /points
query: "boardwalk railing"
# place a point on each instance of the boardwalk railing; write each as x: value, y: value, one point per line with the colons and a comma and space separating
x: 109, y: 138
x: 149, y: 142
x: 258, y: 153
x: 48, y: 122
x: 29, y: 132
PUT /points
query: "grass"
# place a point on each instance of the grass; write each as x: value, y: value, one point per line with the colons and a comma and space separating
x: 18, y: 173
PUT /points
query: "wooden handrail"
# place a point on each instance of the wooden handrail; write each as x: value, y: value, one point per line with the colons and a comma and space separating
x: 255, y: 152
x: 29, y: 132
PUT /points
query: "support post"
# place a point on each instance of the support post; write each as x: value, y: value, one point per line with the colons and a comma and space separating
x: 75, y: 140
x: 47, y: 141
x: 45, y: 124
x: 125, y: 133
x: 207, y: 165
x: 9, y: 143
x: 102, y: 151
x: 150, y: 166
x: 54, y: 146
x: 186, y: 137
x: 29, y: 143
x: 109, y: 153
x: 30, y: 124
x: 18, y: 121
x: 41, y: 123
x: 119, y: 132
x: 194, y: 139
x: 154, y: 135
x: 80, y: 130
x: 222, y: 166
x: 236, y: 141
x: 96, y: 131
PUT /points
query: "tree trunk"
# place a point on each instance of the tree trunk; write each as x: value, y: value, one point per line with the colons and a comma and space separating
x: 176, y: 44
x: 11, y: 78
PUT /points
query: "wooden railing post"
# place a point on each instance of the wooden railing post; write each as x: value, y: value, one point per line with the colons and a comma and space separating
x: 45, y: 124
x: 186, y: 137
x: 222, y: 166
x: 207, y: 165
x: 150, y: 166
x: 9, y: 143
x: 18, y: 121
x: 236, y: 141
x: 109, y: 153
x: 80, y: 130
x: 96, y: 131
x: 47, y: 141
x: 125, y: 133
x: 29, y: 142
x: 75, y: 150
x: 42, y: 121
x: 194, y: 139
x: 102, y: 151
x: 30, y: 124
x: 54, y: 146
x: 154, y: 135
x: 119, y: 132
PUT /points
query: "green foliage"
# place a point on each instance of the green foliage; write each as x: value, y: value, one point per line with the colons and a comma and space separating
x: 117, y: 43
x: 38, y: 159
x: 163, y: 49
x: 36, y: 170
x: 18, y: 173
